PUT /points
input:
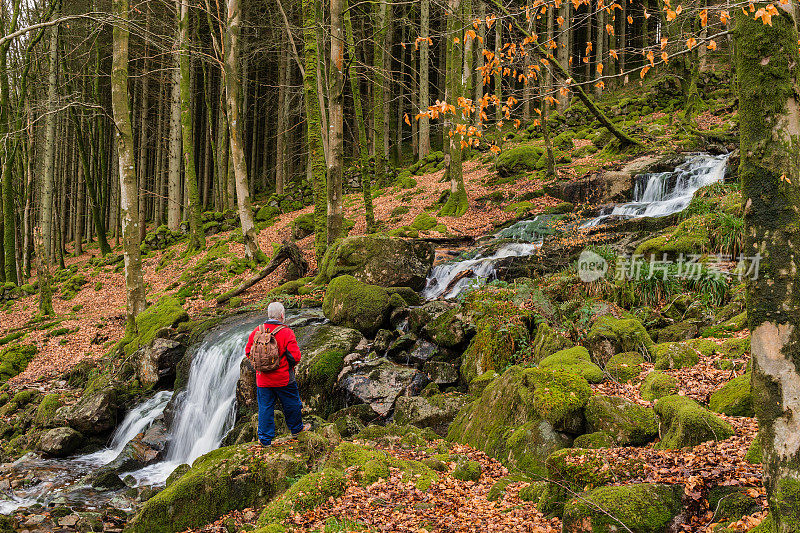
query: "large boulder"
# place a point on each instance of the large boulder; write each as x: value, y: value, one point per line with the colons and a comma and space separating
x: 735, y: 398
x: 623, y: 367
x: 436, y: 412
x: 227, y: 479
x: 60, y: 442
x: 95, y: 414
x: 350, y: 303
x: 672, y: 355
x: 609, y: 336
x: 380, y: 261
x: 166, y: 313
x: 575, y: 360
x: 643, y: 508
x: 684, y: 422
x: 547, y: 342
x: 657, y: 385
x: 628, y: 424
x: 523, y: 416
x: 156, y: 363
x: 379, y: 383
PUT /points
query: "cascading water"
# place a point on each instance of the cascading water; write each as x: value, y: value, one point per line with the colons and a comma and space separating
x: 655, y: 195
x: 664, y: 193
x: 206, y: 410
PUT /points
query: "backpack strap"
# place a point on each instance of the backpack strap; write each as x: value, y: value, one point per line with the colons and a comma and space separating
x: 276, y: 330
x: 261, y: 328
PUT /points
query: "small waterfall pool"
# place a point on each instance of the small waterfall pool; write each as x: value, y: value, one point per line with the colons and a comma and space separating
x: 654, y: 195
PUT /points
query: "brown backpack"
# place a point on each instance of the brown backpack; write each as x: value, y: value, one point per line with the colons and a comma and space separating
x: 265, y: 354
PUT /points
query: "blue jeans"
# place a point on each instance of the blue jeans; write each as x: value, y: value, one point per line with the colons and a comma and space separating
x: 289, y: 396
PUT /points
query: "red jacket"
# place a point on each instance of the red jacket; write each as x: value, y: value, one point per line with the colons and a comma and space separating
x: 287, y: 344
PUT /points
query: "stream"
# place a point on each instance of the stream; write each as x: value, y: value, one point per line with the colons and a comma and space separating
x: 204, y: 411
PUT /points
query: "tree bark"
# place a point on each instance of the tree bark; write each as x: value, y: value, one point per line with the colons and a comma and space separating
x: 49, y: 172
x: 282, y: 122
x: 336, y: 124
x: 424, y: 82
x: 563, y: 50
x: 120, y: 101
x: 379, y: 86
x: 175, y: 148
x: 767, y: 63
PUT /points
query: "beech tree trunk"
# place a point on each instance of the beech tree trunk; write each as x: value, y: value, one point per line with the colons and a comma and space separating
x: 129, y: 205
x: 336, y: 124
x: 49, y: 171
x: 424, y: 81
x: 175, y: 148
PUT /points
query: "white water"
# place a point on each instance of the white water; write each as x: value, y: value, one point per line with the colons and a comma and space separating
x: 206, y: 410
x: 653, y: 195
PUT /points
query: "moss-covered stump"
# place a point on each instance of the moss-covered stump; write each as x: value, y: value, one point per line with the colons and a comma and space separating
x: 643, y: 508
x: 672, y: 355
x: 547, y: 342
x: 518, y: 159
x: 353, y: 304
x: 609, y: 336
x: 628, y: 423
x: 575, y: 360
x: 224, y: 480
x: 684, y: 422
x: 379, y: 261
x: 735, y: 398
x: 623, y: 367
x: 657, y: 385
x: 436, y: 412
x: 165, y: 313
x: 523, y: 416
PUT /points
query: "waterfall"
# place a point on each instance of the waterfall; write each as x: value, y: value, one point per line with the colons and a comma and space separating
x: 664, y: 193
x: 205, y: 412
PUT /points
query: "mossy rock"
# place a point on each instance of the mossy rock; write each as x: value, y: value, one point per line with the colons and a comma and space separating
x: 643, y: 508
x: 424, y: 222
x: 369, y: 464
x: 736, y: 348
x: 491, y: 349
x: 609, y: 336
x: 731, y: 503
x: 467, y: 470
x: 575, y: 360
x: 657, y: 385
x: 303, y: 226
x: 479, y: 384
x: 308, y: 492
x: 165, y: 313
x: 353, y: 304
x: 14, y: 360
x: 735, y: 398
x: 561, y: 208
x: 679, y: 331
x: 498, y: 490
x: 628, y: 423
x: 673, y: 355
x: 224, y: 480
x: 623, y: 367
x: 523, y: 416
x: 532, y: 492
x: 268, y: 212
x: 684, y: 422
x: 596, y: 440
x: 46, y: 411
x: 547, y: 342
x: 753, y: 454
x: 518, y: 159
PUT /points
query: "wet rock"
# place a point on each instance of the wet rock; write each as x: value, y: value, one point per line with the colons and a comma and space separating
x: 441, y: 373
x: 379, y: 383
x: 104, y: 479
x: 69, y: 520
x: 60, y: 442
x: 401, y: 345
x: 350, y: 303
x: 380, y: 261
x: 95, y: 414
x: 383, y: 339
x: 436, y: 412
x: 246, y: 400
x: 156, y: 363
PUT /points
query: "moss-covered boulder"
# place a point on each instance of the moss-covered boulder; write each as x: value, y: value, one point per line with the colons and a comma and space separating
x: 575, y: 360
x: 684, y: 422
x: 302, y: 226
x: 518, y: 159
x: 643, y: 508
x: 308, y: 492
x: 596, y: 440
x: 14, y: 360
x: 60, y: 442
x: 227, y: 479
x: 435, y: 412
x: 623, y: 367
x: 368, y: 464
x: 680, y: 331
x: 164, y: 314
x: 353, y: 304
x: 491, y: 348
x: 547, y: 342
x: 379, y: 261
x: 467, y: 470
x: 447, y: 327
x: 735, y: 398
x: 379, y: 383
x: 609, y: 336
x: 628, y: 423
x: 523, y: 416
x: 673, y: 355
x: 94, y: 414
x: 657, y: 385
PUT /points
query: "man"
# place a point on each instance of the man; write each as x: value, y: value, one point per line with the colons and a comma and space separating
x: 280, y: 383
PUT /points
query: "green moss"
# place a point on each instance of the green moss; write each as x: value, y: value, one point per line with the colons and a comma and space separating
x: 684, y: 422
x: 15, y: 359
x: 623, y: 367
x: 657, y: 385
x: 307, y: 493
x: 424, y: 222
x: 165, y: 313
x: 624, y: 335
x: 547, y: 342
x: 518, y: 159
x: 736, y: 348
x: 753, y: 454
x: 575, y: 360
x: 478, y: 384
x: 467, y: 470
x: 498, y: 489
x: 643, y: 508
x: 672, y: 355
x: 786, y: 502
x: 353, y: 304
x: 47, y: 410
x: 371, y: 464
x: 627, y: 422
x: 735, y: 398
x: 596, y: 440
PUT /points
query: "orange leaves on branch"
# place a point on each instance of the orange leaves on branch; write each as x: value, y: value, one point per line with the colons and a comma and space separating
x: 664, y: 42
x: 560, y: 20
x: 599, y: 69
x: 552, y: 101
x: 664, y: 57
x: 766, y: 14
x: 600, y: 85
x: 613, y: 53
x: 490, y: 20
x: 651, y: 57
x: 406, y: 119
x: 712, y: 45
x: 644, y: 71
x: 724, y: 17
x: 691, y: 42
x: 630, y: 19
x: 704, y: 18
x: 609, y: 29
x: 646, y: 14
x: 494, y: 149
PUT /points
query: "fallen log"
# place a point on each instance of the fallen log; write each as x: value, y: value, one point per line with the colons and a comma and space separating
x: 464, y: 240
x: 287, y: 252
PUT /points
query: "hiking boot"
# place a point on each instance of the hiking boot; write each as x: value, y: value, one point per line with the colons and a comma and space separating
x: 264, y: 444
x: 306, y: 427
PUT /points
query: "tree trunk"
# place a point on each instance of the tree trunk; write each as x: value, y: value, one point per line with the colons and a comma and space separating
x: 379, y: 86
x: 563, y: 50
x: 282, y: 122
x: 175, y: 148
x: 120, y: 101
x: 767, y: 63
x: 197, y: 238
x: 424, y: 82
x: 43, y: 275
x: 336, y: 124
x: 49, y: 172
x: 498, y: 77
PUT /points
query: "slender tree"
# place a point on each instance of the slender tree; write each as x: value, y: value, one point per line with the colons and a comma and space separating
x: 49, y: 171
x: 336, y: 123
x: 424, y: 82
